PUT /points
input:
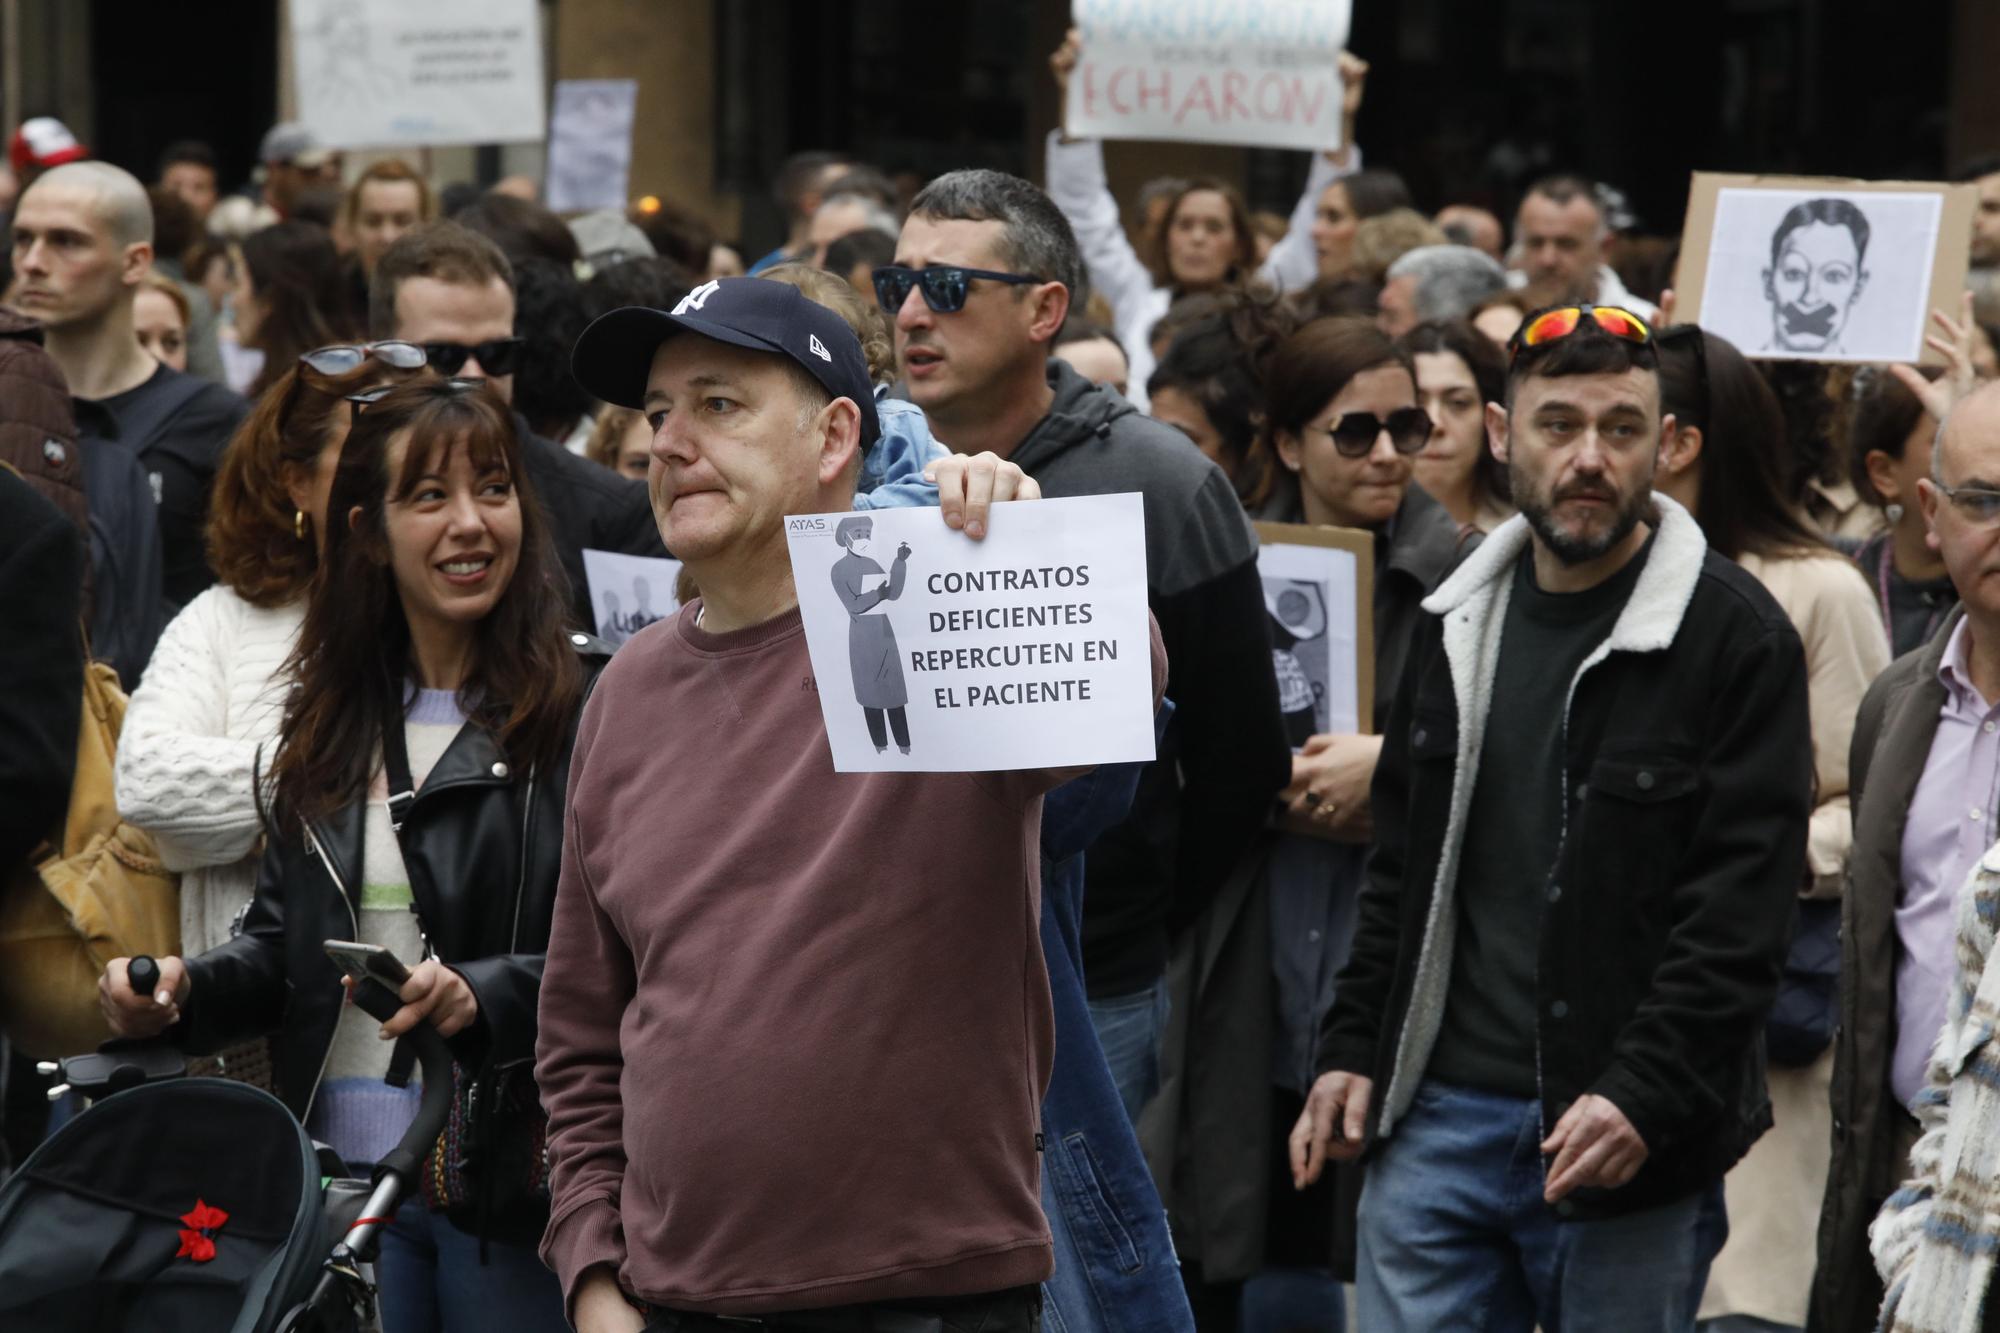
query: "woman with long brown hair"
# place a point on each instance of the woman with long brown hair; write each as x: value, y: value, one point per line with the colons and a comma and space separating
x: 210, y: 700
x: 416, y: 802
x: 1726, y: 462
x: 1341, y: 424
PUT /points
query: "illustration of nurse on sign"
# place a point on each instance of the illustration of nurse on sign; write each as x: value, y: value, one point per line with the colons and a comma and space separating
x: 861, y: 585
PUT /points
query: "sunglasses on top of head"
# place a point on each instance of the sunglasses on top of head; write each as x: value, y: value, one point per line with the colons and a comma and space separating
x: 945, y: 286
x: 497, y: 356
x: 1559, y: 322
x: 340, y: 358
x: 343, y: 357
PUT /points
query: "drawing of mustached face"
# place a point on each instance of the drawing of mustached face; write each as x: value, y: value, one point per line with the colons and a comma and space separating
x: 1813, y: 285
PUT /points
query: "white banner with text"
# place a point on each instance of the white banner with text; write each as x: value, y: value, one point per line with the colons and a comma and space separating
x: 1209, y: 71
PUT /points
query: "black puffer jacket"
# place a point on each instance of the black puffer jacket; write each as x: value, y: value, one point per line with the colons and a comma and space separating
x: 490, y: 839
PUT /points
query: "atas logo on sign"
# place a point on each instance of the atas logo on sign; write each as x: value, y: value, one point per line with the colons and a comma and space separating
x: 697, y: 298
x: 805, y: 525
x: 818, y: 348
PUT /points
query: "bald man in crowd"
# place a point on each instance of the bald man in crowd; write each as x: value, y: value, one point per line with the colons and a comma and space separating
x: 83, y: 241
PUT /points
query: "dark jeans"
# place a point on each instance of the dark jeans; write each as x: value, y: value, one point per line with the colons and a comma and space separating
x: 899, y: 722
x: 1015, y: 1311
x: 435, y: 1278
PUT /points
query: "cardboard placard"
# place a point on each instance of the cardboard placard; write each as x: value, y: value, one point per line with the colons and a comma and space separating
x: 937, y: 653
x: 386, y: 73
x: 1209, y: 71
x: 1319, y: 589
x: 1822, y: 268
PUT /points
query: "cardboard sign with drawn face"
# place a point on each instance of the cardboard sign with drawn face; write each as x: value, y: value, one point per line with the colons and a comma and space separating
x: 1819, y: 270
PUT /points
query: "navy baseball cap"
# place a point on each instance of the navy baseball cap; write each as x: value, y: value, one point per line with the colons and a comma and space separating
x: 615, y: 354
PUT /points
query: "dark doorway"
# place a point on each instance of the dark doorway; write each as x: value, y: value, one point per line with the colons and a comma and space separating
x: 168, y: 72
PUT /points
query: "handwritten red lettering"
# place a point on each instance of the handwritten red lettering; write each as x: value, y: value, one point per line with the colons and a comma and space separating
x: 1308, y: 101
x: 1272, y: 104
x: 1163, y: 90
x: 1233, y: 83
x: 1198, y: 95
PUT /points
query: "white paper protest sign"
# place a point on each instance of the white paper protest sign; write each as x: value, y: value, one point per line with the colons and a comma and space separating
x: 1209, y: 71
x: 629, y: 592
x: 387, y: 73
x: 937, y: 653
x: 1318, y: 589
x: 590, y: 143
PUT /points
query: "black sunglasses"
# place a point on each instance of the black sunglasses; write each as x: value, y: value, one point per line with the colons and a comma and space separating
x: 1354, y: 435
x: 497, y: 356
x: 945, y: 287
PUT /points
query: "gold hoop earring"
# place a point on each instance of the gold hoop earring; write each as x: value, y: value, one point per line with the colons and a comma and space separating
x: 299, y: 524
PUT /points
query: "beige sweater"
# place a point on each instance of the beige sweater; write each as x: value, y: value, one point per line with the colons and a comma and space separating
x: 1773, y: 1194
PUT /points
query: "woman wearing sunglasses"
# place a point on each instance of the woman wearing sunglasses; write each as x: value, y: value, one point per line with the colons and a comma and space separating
x: 1725, y: 463
x: 210, y: 699
x: 416, y: 804
x: 1341, y: 420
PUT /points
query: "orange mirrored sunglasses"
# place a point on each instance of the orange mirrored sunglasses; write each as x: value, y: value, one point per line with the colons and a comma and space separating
x: 1563, y: 320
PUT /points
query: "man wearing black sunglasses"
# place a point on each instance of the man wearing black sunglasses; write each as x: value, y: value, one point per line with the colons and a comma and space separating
x: 450, y: 291
x: 987, y: 269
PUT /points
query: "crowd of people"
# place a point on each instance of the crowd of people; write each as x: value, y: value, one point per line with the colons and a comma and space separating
x: 1629, y: 972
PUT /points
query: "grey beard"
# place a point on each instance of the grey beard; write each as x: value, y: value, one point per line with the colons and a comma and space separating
x: 1581, y: 551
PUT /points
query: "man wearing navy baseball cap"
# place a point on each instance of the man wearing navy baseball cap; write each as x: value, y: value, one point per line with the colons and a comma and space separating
x: 795, y: 1025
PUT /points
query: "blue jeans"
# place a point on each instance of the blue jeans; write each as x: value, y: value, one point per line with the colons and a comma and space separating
x: 433, y: 1282
x: 1129, y: 1028
x: 1455, y: 1234
x: 1115, y: 1266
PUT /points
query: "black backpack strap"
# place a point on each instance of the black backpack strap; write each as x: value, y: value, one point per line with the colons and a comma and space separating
x: 150, y: 413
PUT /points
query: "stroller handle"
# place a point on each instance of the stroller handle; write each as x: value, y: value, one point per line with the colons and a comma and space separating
x: 406, y: 1159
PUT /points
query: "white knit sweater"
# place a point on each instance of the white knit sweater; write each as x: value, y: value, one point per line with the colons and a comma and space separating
x: 208, y: 700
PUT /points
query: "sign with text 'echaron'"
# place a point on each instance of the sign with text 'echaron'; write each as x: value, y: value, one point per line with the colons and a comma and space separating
x: 1209, y: 71
x: 936, y: 653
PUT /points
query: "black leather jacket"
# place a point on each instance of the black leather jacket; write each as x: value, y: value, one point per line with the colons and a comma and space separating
x: 491, y: 839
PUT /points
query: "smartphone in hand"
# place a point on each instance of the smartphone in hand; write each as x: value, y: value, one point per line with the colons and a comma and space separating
x: 368, y: 962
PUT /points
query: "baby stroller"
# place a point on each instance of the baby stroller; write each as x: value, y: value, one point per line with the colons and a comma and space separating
x: 197, y: 1205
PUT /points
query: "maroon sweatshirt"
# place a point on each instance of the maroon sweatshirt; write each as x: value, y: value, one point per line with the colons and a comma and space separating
x: 795, y: 1025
